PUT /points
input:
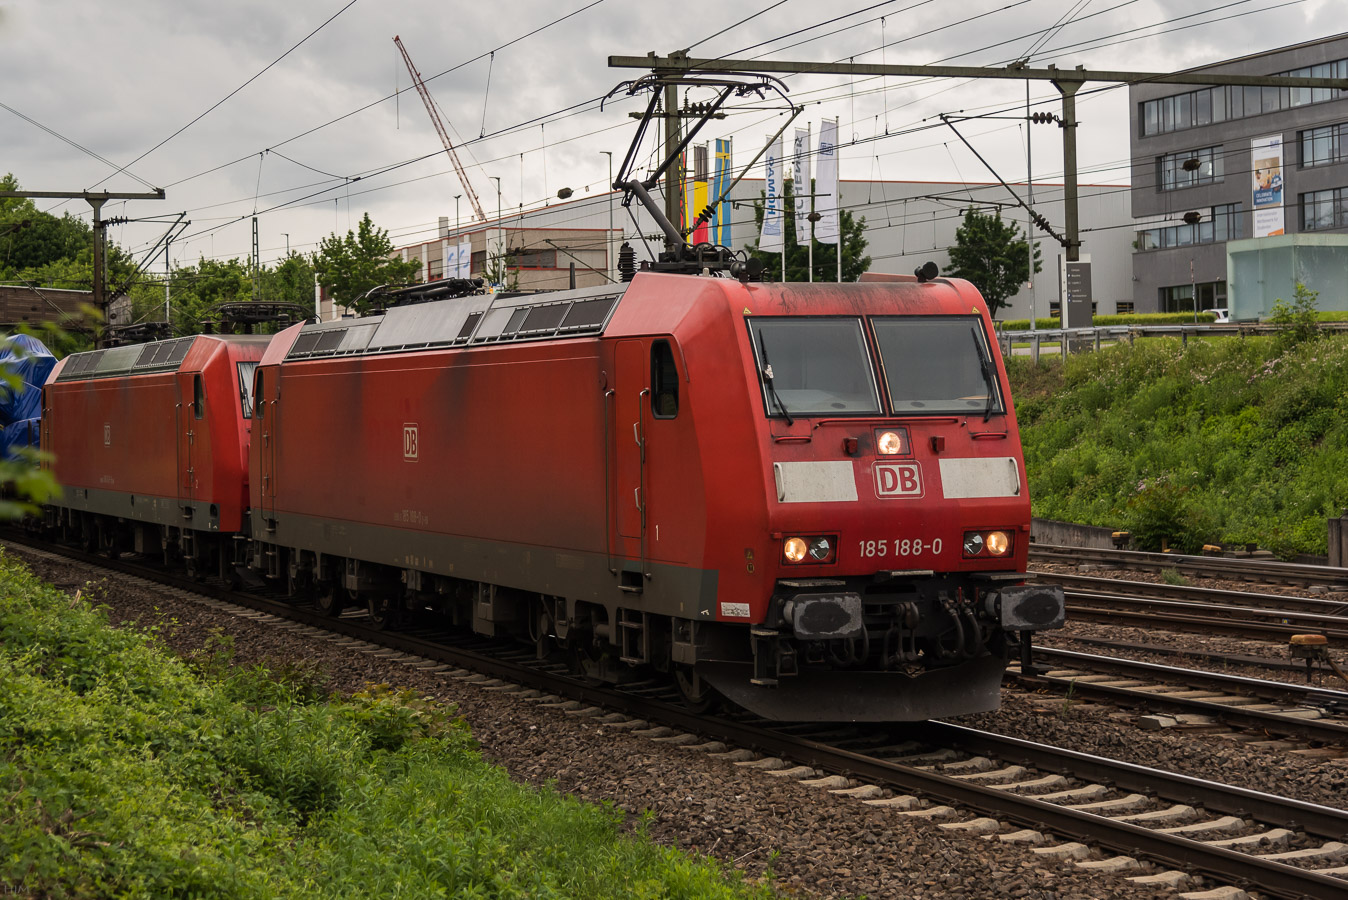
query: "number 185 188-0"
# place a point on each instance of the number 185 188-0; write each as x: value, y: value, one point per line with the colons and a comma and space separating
x: 899, y: 547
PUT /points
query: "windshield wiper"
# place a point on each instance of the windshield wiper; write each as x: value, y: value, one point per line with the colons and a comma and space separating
x: 989, y: 378
x: 767, y: 379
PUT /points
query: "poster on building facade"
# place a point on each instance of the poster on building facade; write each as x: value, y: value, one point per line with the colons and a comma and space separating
x: 1266, y: 186
x: 465, y: 267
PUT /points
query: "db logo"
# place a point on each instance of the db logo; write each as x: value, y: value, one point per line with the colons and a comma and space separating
x: 898, y: 480
x: 409, y: 442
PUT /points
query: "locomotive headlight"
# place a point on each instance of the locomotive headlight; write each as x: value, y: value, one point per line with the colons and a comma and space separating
x: 986, y: 543
x: 892, y: 442
x: 810, y: 549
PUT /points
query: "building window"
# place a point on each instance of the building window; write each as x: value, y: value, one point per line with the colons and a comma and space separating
x: 534, y: 259
x: 1221, y: 223
x: 1173, y: 175
x: 1207, y: 106
x: 1322, y: 146
x: 1180, y: 297
x: 1323, y: 210
x: 1124, y: 307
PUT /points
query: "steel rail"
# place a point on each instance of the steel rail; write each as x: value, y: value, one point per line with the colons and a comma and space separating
x: 1087, y: 584
x: 1248, y: 622
x: 1300, y: 574
x: 1274, y: 878
x: 1280, y: 691
x: 1235, y: 716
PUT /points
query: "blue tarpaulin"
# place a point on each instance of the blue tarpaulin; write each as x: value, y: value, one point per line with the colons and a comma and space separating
x: 21, y: 403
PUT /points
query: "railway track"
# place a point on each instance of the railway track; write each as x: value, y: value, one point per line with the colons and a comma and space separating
x: 1252, y: 704
x: 1229, y: 568
x: 1089, y: 585
x: 1252, y: 623
x: 1061, y: 801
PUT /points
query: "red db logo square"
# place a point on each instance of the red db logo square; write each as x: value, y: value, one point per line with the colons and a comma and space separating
x: 898, y: 479
x: 409, y: 442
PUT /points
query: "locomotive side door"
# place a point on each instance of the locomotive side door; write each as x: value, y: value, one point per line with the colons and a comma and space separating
x: 266, y: 397
x: 630, y: 498
x: 191, y: 410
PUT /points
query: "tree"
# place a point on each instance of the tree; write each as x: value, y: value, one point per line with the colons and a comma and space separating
x: 196, y: 290
x: 350, y: 266
x: 292, y: 281
x: 992, y: 255
x: 825, y: 255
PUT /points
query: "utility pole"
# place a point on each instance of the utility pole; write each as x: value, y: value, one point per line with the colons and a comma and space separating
x: 257, y: 268
x: 1067, y: 81
x: 95, y: 199
x: 168, y: 278
x: 608, y: 240
x: 1029, y: 217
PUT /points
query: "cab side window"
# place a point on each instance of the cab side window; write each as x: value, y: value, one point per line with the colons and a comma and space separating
x: 198, y: 396
x: 260, y: 404
x: 664, y: 381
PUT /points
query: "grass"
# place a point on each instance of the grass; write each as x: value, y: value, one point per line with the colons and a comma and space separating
x: 1243, y: 440
x: 127, y: 772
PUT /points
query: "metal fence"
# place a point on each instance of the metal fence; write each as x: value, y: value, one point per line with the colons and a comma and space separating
x: 1071, y: 340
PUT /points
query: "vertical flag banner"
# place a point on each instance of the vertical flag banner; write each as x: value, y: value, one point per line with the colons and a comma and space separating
x: 1266, y: 164
x: 770, y: 238
x: 449, y: 259
x: 826, y: 184
x: 721, y: 220
x: 697, y: 196
x: 800, y: 178
x: 466, y: 258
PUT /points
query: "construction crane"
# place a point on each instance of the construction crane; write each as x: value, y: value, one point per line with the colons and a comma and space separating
x: 440, y: 128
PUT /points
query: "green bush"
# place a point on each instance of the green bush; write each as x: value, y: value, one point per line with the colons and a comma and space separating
x: 1240, y: 440
x: 126, y: 772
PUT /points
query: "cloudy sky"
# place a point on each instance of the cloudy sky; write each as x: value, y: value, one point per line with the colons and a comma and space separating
x: 290, y: 109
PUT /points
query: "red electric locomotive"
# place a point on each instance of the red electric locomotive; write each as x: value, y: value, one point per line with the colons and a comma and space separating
x: 808, y: 498
x: 150, y: 444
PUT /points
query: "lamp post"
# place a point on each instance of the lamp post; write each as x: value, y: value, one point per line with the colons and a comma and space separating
x: 500, y: 232
x: 608, y: 240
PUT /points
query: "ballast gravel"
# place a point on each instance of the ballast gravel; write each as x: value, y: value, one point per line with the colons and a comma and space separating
x: 812, y: 843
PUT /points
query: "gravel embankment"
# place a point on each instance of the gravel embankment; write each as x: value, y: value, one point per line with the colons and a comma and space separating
x: 813, y: 843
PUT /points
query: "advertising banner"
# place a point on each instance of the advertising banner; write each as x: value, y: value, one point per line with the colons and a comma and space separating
x: 720, y: 222
x: 800, y: 181
x: 1266, y: 185
x: 770, y: 238
x: 826, y: 184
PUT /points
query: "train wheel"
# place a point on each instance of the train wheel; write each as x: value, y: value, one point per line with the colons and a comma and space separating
x: 697, y: 695
x: 386, y: 609
x: 330, y: 599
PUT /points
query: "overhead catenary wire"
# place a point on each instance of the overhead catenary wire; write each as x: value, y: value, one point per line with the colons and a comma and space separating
x: 858, y: 92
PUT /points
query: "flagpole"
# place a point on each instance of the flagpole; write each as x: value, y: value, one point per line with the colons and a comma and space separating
x: 809, y: 138
x: 837, y: 191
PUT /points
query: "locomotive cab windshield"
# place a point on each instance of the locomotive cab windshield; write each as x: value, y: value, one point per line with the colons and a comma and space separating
x: 814, y: 366
x: 820, y: 366
x: 937, y: 364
